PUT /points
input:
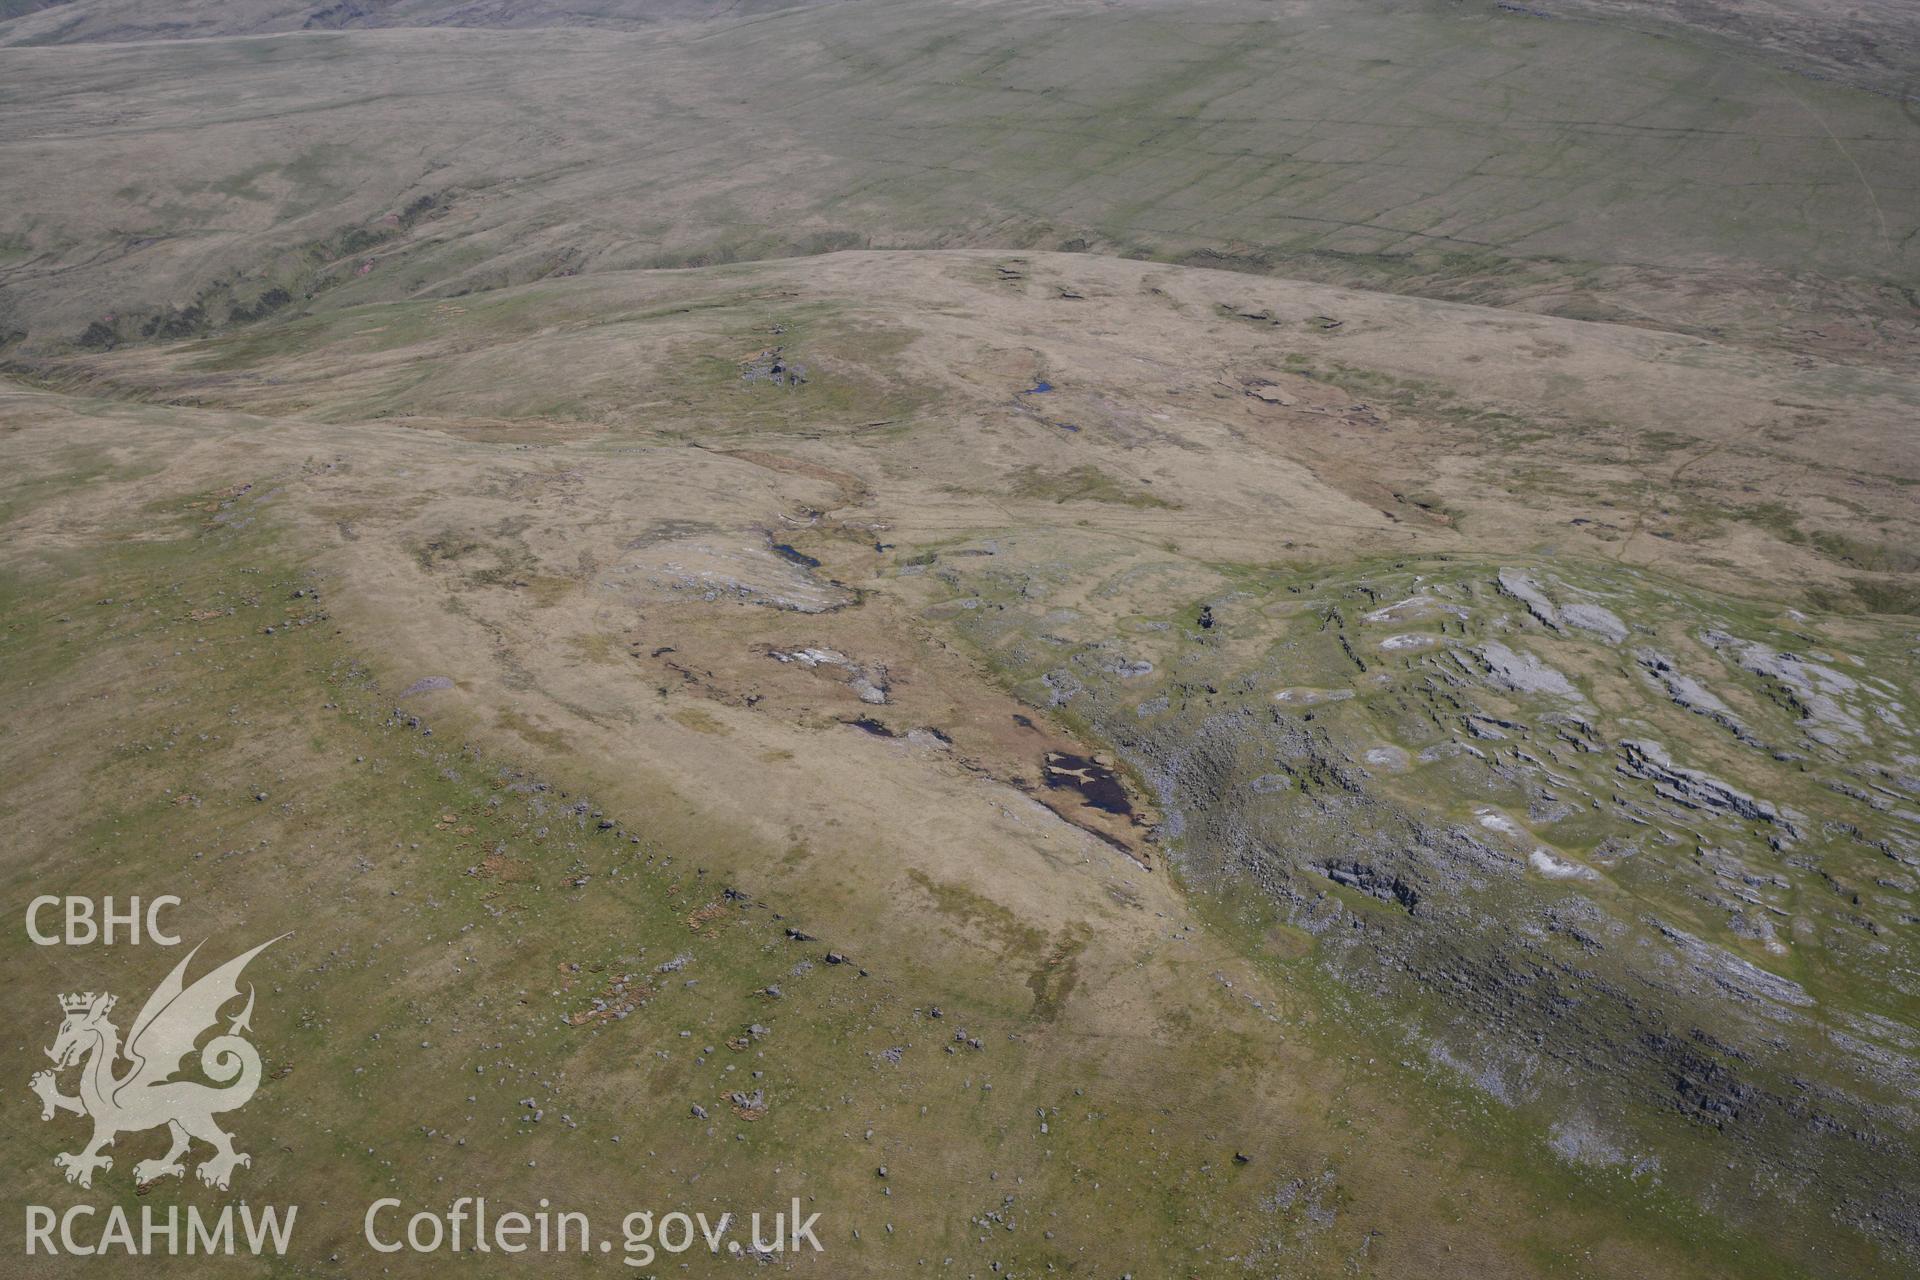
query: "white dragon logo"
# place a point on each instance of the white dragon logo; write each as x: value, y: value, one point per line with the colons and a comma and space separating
x: 146, y: 1096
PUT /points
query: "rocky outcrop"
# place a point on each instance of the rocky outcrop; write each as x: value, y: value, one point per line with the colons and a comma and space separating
x: 1693, y: 788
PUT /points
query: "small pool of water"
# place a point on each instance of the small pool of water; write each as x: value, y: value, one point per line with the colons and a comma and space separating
x: 786, y: 552
x: 1095, y: 782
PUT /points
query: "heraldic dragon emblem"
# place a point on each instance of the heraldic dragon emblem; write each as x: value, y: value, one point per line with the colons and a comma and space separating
x: 143, y: 1094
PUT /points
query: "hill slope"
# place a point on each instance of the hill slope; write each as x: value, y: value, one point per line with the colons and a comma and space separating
x: 1202, y: 639
x: 946, y: 604
x: 1594, y: 171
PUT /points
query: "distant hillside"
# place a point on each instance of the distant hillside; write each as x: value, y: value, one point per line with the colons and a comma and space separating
x: 40, y: 22
x: 1583, y: 169
x: 1869, y: 44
